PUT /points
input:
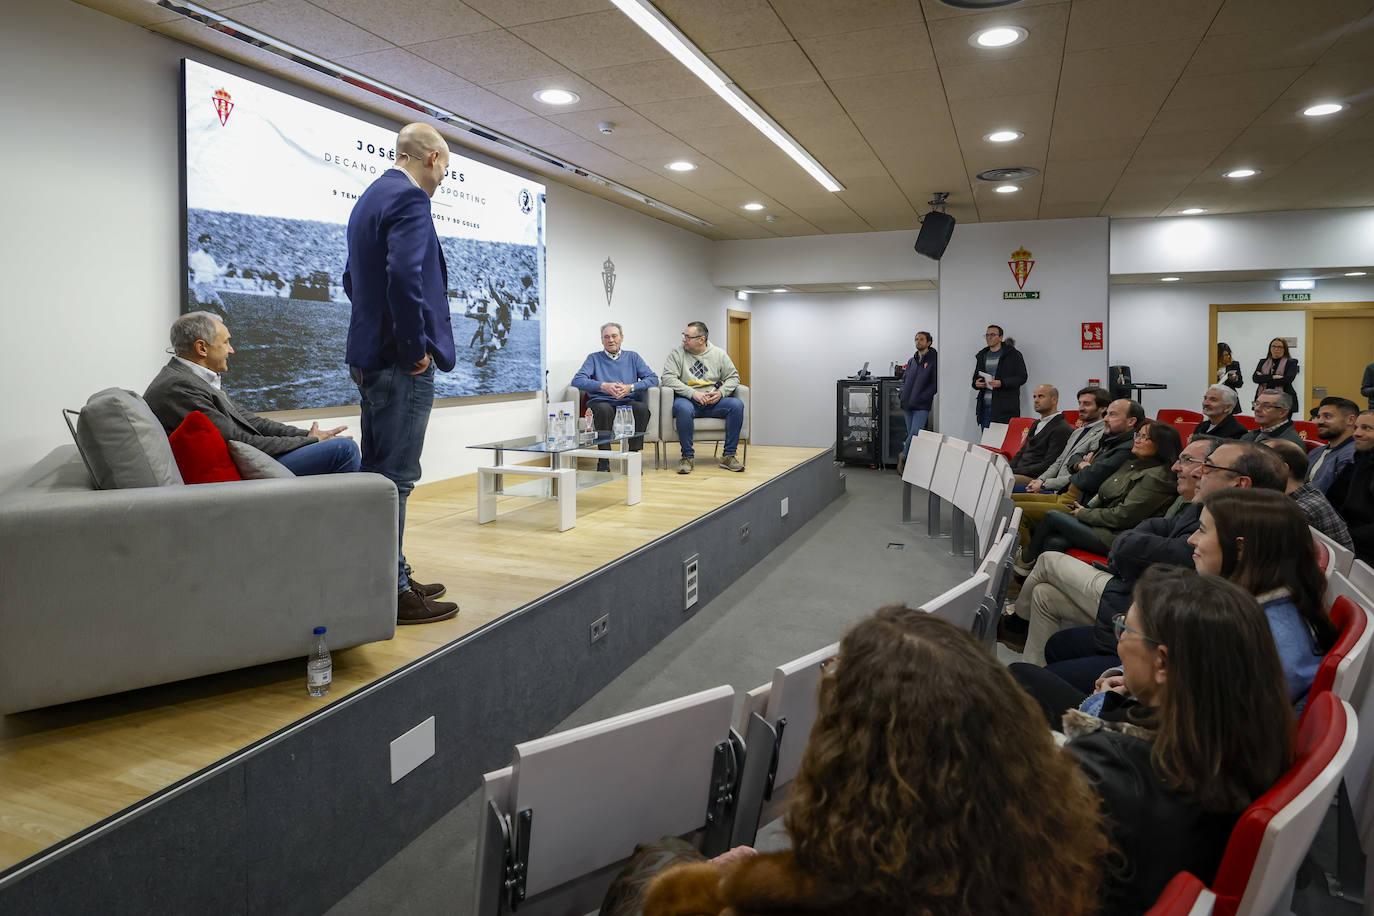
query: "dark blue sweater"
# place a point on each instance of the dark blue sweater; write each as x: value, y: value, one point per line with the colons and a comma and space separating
x: 918, y: 384
x: 629, y: 369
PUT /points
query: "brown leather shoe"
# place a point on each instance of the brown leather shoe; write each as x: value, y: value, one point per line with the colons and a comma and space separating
x: 1012, y: 632
x: 413, y: 607
x: 436, y: 590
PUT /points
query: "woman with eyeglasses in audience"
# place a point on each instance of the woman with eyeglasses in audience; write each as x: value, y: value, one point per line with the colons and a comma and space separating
x: 928, y: 785
x: 1196, y: 726
x: 1277, y: 371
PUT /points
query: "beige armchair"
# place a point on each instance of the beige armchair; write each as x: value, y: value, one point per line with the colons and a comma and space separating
x: 705, y: 429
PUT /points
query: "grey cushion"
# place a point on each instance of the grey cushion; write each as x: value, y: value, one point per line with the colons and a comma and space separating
x: 254, y: 463
x: 123, y: 443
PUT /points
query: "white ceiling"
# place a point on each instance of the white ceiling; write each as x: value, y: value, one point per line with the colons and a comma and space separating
x: 1129, y: 108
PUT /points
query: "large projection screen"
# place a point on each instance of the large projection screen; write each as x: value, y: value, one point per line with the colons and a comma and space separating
x: 269, y: 181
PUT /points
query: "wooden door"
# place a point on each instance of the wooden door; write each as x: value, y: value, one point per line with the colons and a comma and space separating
x: 1342, y: 344
x: 737, y: 343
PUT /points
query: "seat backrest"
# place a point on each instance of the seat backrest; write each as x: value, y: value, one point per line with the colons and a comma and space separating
x: 1324, y: 555
x: 1361, y: 576
x: 960, y: 604
x: 1360, y: 773
x: 1307, y: 429
x: 994, y: 435
x: 1343, y: 663
x: 1018, y: 431
x: 1185, y: 428
x: 597, y: 790
x: 1272, y: 836
x: 947, y: 467
x: 1072, y: 416
x: 1340, y: 558
x: 972, y: 476
x: 921, y: 457
x: 1313, y: 445
x: 1176, y: 415
x: 1185, y: 895
x: 793, y: 697
x: 1247, y: 421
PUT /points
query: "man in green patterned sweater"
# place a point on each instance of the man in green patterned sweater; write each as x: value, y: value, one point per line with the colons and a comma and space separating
x: 703, y: 377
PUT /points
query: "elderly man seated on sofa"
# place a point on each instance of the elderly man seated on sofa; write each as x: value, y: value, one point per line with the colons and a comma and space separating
x: 190, y: 381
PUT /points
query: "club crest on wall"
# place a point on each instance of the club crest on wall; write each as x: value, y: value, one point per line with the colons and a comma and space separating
x: 1021, y: 263
x: 608, y: 279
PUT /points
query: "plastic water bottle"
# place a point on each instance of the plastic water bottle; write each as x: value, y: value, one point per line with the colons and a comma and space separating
x: 319, y: 667
x: 550, y: 431
x: 626, y: 421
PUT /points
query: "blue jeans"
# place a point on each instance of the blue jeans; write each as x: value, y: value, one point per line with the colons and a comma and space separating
x: 332, y: 456
x: 395, y: 412
x: 915, y: 422
x: 686, y: 411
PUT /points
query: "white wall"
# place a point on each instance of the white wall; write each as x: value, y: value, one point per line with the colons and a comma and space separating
x: 1070, y: 272
x: 1249, y: 334
x: 803, y: 342
x: 92, y: 236
x: 1160, y: 331
x: 1302, y: 240
x: 850, y: 258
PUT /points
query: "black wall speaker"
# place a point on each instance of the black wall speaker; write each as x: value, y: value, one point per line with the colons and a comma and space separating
x: 936, y: 230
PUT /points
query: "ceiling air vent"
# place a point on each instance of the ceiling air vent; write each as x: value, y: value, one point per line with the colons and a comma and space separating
x: 1013, y: 174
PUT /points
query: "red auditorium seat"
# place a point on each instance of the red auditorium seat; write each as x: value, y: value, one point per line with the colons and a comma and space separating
x: 1306, y: 428
x: 1247, y: 422
x: 1313, y: 445
x: 1184, y: 896
x: 1087, y: 556
x: 1176, y: 415
x: 1340, y: 667
x: 1018, y: 430
x: 1323, y: 555
x: 1185, y: 429
x: 1272, y: 836
x: 1071, y: 416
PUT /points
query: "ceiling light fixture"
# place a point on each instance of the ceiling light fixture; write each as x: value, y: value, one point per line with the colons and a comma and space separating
x: 1193, y: 211
x: 1168, y: 279
x: 780, y: 290
x: 557, y: 96
x: 1298, y: 284
x: 1007, y: 188
x: 752, y: 205
x: 1000, y: 37
x: 1003, y: 136
x: 681, y: 165
x: 863, y: 287
x: 481, y: 133
x: 1240, y: 173
x: 1322, y: 109
x: 1355, y: 273
x: 648, y: 18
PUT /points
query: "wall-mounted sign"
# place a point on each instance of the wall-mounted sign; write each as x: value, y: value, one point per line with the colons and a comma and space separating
x: 1297, y: 297
x: 1092, y: 335
x: 608, y: 278
x: 1020, y: 264
x: 1019, y: 294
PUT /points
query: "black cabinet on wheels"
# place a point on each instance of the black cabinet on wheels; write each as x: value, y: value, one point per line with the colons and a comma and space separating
x: 893, y: 421
x: 858, y: 435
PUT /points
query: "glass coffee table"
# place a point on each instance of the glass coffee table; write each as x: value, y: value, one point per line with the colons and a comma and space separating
x: 560, y: 479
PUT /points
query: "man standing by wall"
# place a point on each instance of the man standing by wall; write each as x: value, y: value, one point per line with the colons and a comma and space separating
x: 998, y: 374
x: 702, y: 377
x: 397, y: 280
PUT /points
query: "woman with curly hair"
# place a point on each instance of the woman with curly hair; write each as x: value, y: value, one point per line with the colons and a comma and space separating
x: 929, y: 787
x: 1196, y: 726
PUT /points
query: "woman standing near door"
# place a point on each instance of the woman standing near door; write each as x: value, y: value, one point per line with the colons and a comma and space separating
x: 1277, y: 371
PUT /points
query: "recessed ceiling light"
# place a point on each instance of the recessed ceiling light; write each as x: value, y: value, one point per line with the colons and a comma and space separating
x: 557, y: 96
x: 1303, y: 283
x: 1323, y: 109
x: 1001, y: 37
x: 753, y: 205
x: 863, y: 287
x: 1004, y: 136
x: 780, y: 289
x: 1240, y: 173
x: 1355, y: 273
x: 1007, y: 188
x: 681, y: 165
x: 1168, y: 279
x: 1193, y: 211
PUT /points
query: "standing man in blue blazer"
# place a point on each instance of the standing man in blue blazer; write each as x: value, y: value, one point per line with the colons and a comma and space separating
x: 397, y: 280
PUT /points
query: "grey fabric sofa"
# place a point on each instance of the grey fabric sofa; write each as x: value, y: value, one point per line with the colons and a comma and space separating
x: 108, y: 590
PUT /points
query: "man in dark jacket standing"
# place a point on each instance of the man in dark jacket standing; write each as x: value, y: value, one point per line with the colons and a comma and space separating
x: 918, y: 390
x: 1046, y: 437
x: 998, y: 374
x: 1352, y: 492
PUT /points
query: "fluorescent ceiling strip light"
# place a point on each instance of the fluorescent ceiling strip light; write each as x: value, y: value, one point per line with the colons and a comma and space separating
x: 257, y: 39
x: 656, y: 25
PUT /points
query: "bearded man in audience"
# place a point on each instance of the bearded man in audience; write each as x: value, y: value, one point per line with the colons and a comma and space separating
x: 1352, y: 492
x: 1219, y: 404
x: 1335, y: 427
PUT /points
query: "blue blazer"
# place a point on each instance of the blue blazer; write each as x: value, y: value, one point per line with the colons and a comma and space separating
x: 396, y: 279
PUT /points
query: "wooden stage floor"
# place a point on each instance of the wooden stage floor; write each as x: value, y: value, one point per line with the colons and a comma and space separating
x: 65, y: 768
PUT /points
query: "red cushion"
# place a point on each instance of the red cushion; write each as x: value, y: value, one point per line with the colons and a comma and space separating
x: 1178, y: 896
x: 201, y: 452
x: 1087, y: 556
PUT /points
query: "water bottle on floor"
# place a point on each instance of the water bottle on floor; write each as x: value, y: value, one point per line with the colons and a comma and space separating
x: 319, y: 667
